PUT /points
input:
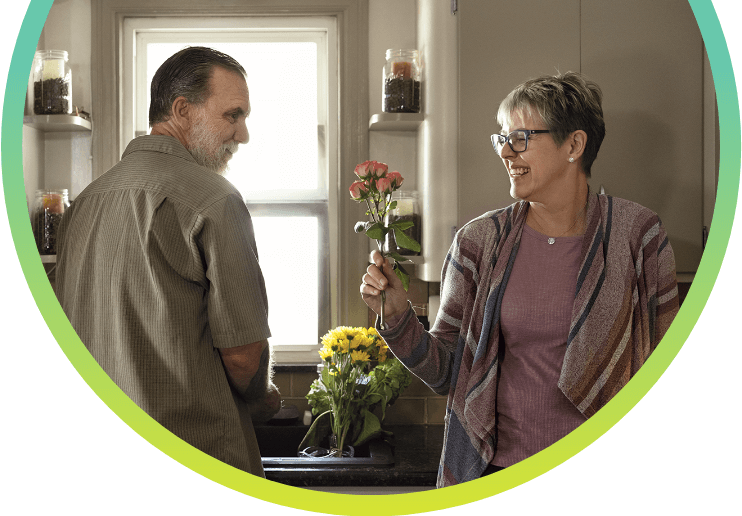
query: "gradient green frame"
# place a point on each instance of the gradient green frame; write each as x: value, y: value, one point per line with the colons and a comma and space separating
x: 118, y: 402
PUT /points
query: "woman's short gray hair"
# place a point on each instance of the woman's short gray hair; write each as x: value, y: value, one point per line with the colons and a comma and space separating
x: 566, y: 103
x: 186, y: 74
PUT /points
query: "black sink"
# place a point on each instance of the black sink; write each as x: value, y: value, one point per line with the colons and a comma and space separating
x: 279, y: 445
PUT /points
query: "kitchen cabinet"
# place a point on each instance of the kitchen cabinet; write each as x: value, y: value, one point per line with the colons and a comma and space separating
x: 648, y: 58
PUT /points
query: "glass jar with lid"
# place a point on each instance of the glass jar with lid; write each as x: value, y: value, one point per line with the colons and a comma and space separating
x: 49, y: 206
x: 401, y: 87
x: 52, y: 83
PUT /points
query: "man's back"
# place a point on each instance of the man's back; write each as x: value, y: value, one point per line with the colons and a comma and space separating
x: 157, y: 269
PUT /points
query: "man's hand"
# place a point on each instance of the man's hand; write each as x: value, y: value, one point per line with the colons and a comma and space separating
x: 268, y: 407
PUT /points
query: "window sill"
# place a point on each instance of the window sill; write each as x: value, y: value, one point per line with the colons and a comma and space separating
x: 295, y: 368
x: 296, y: 354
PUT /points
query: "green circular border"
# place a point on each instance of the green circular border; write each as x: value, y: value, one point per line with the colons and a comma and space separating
x: 118, y: 402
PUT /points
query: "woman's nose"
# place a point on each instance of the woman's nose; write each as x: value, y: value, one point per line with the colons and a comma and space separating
x: 506, y: 152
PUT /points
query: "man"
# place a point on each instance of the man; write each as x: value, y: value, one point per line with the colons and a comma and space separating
x: 158, y: 270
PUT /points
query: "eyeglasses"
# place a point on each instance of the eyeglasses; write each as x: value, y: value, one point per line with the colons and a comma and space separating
x: 518, y: 140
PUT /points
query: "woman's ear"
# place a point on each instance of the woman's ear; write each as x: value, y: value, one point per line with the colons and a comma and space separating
x: 577, y: 142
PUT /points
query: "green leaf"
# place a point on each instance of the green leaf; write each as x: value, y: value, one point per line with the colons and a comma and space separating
x: 371, y: 427
x: 402, y: 224
x: 393, y: 205
x: 405, y: 241
x: 403, y: 276
x: 398, y: 257
x: 319, y: 429
x: 377, y: 231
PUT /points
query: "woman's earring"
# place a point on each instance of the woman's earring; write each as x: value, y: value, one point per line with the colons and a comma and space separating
x: 571, y: 160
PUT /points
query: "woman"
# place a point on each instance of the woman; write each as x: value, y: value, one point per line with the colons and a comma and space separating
x: 548, y: 306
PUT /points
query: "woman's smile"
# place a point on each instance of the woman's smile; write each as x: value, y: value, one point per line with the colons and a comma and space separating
x: 517, y: 171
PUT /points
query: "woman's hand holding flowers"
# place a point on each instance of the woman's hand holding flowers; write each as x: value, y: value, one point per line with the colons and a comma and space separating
x: 375, y: 186
x: 380, y: 276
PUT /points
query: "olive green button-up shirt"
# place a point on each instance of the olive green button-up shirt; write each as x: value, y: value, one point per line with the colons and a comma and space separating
x: 157, y: 269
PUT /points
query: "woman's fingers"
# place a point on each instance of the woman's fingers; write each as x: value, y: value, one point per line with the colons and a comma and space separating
x: 380, y: 276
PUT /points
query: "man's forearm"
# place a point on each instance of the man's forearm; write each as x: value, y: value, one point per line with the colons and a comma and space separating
x: 249, y: 370
x: 261, y: 395
x: 260, y: 383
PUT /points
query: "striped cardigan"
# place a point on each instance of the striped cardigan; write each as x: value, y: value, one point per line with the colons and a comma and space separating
x: 625, y: 300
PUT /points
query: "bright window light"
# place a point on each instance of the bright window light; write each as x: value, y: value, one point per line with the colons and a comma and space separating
x: 291, y: 276
x: 282, y: 79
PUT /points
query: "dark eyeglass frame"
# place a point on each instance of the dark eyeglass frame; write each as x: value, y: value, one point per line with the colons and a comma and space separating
x: 496, y: 138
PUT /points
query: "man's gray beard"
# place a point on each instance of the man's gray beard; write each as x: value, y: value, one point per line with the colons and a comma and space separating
x: 201, y: 142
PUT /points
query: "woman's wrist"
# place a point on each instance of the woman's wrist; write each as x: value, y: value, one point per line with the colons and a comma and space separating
x: 396, y: 318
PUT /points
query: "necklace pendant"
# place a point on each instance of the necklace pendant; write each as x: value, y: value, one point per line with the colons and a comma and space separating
x: 551, y: 241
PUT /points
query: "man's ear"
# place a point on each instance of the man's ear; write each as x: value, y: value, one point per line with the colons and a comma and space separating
x: 181, y: 113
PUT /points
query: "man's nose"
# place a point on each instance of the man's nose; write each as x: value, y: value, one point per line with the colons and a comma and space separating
x: 242, y: 135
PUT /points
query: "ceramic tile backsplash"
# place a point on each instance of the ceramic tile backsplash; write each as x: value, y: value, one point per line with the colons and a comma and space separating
x: 417, y: 405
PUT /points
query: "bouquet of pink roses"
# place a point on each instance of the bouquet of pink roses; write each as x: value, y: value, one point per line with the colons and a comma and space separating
x: 375, y: 186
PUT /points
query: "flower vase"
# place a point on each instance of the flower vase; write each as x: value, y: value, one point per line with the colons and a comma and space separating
x: 348, y: 451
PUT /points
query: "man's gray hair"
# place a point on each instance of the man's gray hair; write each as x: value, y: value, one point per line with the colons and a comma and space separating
x: 186, y: 74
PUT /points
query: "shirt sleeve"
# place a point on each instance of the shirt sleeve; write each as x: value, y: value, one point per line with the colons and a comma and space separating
x: 237, y: 300
x: 430, y: 355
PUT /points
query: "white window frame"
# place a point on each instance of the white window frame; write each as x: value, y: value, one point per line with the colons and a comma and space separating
x: 108, y: 18
x: 139, y: 32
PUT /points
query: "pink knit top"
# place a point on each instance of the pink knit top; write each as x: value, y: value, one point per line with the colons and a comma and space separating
x: 532, y: 412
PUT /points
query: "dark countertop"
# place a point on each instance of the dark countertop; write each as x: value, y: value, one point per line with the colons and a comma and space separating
x: 417, y: 451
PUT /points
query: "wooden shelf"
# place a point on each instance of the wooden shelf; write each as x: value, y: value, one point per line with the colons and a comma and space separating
x: 58, y: 123
x: 395, y: 122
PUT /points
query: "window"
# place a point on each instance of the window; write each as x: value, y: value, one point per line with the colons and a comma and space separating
x: 112, y: 90
x: 284, y: 172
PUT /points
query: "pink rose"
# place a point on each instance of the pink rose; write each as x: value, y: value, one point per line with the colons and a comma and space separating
x: 378, y: 169
x: 396, y: 179
x: 358, y: 190
x: 362, y: 170
x: 384, y: 185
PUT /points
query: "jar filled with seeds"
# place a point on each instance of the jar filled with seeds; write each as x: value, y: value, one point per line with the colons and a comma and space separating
x: 52, y: 83
x: 401, y: 88
x: 49, y: 206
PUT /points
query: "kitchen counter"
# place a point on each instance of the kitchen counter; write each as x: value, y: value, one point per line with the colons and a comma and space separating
x: 417, y: 451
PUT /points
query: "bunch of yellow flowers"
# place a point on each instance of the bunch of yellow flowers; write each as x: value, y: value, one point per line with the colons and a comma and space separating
x: 354, y: 346
x: 352, y: 381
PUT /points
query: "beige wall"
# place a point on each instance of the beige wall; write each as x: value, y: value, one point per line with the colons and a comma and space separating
x: 648, y: 58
